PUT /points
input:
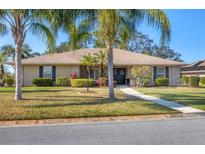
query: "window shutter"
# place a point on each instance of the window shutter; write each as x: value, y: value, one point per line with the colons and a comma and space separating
x: 54, y: 73
x: 167, y: 72
x: 154, y: 73
x: 40, y: 71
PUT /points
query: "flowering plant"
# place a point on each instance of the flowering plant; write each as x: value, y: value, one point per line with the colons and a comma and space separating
x: 73, y: 75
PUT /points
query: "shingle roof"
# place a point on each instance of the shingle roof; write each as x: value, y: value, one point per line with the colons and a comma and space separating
x: 121, y: 57
x: 194, y: 67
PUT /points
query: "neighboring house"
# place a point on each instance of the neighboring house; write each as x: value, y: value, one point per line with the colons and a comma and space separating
x: 194, y: 69
x: 63, y: 64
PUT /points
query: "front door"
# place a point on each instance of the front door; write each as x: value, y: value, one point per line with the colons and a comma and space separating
x: 119, y: 75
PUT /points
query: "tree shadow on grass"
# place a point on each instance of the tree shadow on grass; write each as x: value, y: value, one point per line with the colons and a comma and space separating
x: 32, y: 91
x: 69, y: 96
x: 7, y: 91
x: 63, y: 98
x: 58, y: 97
x: 81, y: 103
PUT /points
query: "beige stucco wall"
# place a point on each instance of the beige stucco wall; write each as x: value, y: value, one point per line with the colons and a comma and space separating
x: 29, y: 73
x: 174, y: 76
x: 65, y: 71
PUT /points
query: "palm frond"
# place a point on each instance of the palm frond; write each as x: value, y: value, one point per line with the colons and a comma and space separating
x: 159, y: 19
x: 3, y: 29
x: 8, y: 50
x: 42, y: 30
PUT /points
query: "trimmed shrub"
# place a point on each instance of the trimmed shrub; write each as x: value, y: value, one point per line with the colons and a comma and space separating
x: 62, y: 81
x: 9, y: 81
x: 202, y: 80
x: 42, y: 82
x: 82, y: 83
x: 146, y: 83
x: 162, y: 81
x: 185, y: 80
x: 194, y: 81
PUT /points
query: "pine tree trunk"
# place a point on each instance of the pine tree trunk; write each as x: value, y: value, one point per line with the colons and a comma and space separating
x: 18, y: 51
x: 110, y: 73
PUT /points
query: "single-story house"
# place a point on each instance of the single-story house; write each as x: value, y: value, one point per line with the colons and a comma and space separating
x: 194, y: 69
x: 63, y: 64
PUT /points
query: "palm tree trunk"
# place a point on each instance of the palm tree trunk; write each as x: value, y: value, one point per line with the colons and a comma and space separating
x: 110, y: 72
x: 100, y: 78
x: 88, y: 70
x: 18, y: 51
x: 2, y: 75
x: 102, y: 71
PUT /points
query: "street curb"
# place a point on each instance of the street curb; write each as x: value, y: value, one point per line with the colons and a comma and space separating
x: 89, y: 120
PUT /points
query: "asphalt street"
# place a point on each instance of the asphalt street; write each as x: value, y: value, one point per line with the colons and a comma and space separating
x: 166, y: 131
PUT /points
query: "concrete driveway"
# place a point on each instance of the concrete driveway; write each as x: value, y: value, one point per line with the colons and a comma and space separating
x: 169, y: 131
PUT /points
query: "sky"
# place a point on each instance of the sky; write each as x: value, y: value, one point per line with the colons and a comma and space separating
x: 187, y: 35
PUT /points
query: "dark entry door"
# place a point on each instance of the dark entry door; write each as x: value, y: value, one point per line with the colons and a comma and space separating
x: 119, y: 75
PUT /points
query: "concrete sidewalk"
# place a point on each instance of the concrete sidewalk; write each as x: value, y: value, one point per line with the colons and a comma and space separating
x: 169, y: 104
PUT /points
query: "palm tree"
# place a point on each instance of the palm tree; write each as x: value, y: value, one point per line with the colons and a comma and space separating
x: 101, y: 60
x: 20, y: 22
x: 79, y: 35
x: 75, y: 24
x: 3, y: 59
x: 98, y: 42
x: 89, y: 61
x: 124, y: 39
x: 110, y: 22
x: 9, y: 51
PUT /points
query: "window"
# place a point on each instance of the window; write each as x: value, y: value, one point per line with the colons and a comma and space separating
x: 47, y: 71
x: 160, y: 72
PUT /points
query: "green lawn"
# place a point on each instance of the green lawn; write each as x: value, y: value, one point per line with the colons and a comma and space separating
x: 63, y: 102
x: 194, y: 97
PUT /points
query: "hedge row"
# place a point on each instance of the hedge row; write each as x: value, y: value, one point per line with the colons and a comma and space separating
x: 63, y: 81
x: 162, y: 81
x: 202, y: 80
x: 42, y: 82
x: 82, y: 82
x: 185, y: 80
x: 193, y: 81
